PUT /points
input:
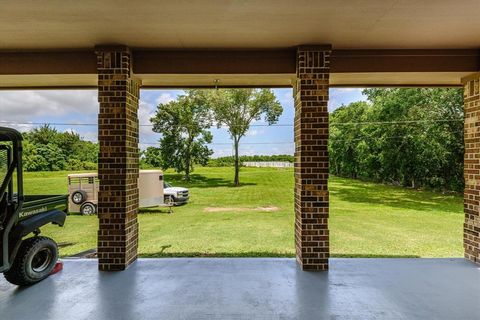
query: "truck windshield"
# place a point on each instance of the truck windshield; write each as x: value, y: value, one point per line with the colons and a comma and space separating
x: 166, y: 185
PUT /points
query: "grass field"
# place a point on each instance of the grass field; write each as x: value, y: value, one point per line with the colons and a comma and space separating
x: 256, y: 219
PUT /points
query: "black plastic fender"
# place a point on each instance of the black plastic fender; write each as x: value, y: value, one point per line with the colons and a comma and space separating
x: 33, y: 223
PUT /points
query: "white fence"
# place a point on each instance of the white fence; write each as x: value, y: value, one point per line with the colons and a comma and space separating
x: 269, y: 164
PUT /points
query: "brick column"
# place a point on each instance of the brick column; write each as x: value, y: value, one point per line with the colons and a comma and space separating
x: 311, y: 157
x: 118, y: 161
x: 471, y: 227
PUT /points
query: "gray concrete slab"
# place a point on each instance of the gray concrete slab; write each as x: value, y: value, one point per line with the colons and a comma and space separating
x: 252, y: 289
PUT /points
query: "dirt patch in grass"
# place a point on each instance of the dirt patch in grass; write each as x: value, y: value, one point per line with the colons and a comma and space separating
x: 240, y: 209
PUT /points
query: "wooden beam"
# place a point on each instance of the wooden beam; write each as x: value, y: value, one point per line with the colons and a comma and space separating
x: 283, y: 61
x: 214, y: 61
x: 46, y: 62
x: 280, y: 61
x: 358, y: 61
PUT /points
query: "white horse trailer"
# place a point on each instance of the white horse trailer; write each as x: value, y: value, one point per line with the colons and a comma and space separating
x: 83, y: 191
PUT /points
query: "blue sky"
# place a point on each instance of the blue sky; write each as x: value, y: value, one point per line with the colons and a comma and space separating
x: 79, y: 108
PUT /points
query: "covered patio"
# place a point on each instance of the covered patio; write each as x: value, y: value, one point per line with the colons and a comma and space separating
x: 310, y: 46
x: 252, y: 289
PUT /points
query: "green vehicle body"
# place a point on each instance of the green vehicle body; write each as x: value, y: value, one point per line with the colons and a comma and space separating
x: 21, y: 215
x: 37, y: 204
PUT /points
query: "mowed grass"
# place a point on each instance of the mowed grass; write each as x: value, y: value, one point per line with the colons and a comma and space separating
x: 366, y: 219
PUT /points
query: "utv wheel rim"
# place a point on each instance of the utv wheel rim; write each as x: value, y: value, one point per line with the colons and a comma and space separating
x: 42, y: 260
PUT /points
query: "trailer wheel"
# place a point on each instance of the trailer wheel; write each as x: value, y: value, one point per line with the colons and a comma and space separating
x: 79, y: 197
x: 35, y: 260
x: 88, y: 208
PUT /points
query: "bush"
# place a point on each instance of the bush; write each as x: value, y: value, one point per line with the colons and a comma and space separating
x: 75, y: 164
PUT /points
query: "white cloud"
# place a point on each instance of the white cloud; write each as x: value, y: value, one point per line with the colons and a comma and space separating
x: 21, y: 127
x: 164, y: 98
x: 24, y: 105
x: 247, y: 150
x: 90, y: 136
x: 288, y: 95
x: 339, y: 96
x: 344, y: 90
x: 145, y: 112
x: 81, y: 106
x: 283, y: 149
x: 222, y: 152
x: 254, y: 132
x: 285, y: 96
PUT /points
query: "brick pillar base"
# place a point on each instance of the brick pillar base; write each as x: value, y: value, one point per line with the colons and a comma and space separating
x: 118, y: 161
x: 471, y: 227
x: 311, y: 157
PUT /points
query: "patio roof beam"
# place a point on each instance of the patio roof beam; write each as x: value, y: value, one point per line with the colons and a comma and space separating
x: 373, y: 61
x: 214, y: 61
x: 280, y: 61
x: 48, y: 63
x: 283, y: 61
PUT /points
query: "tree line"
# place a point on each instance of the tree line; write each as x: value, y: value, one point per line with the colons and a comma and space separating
x: 407, y: 136
x: 46, y: 149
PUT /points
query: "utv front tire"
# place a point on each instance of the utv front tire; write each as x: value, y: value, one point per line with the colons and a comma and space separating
x: 35, y: 260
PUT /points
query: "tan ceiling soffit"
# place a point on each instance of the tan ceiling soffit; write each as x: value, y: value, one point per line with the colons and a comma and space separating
x: 368, y: 24
x: 168, y: 81
x: 48, y: 81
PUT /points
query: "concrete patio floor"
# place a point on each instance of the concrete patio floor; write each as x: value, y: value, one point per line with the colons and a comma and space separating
x: 254, y: 288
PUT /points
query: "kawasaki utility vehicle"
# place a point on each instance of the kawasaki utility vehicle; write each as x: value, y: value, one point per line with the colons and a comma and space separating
x: 25, y: 257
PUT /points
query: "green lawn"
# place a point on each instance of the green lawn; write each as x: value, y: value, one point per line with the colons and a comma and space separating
x: 366, y: 220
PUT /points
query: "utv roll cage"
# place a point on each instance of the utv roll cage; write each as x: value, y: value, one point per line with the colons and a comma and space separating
x: 11, y: 203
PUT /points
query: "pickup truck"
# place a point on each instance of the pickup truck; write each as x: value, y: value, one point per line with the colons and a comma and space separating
x: 174, y: 195
x: 25, y: 257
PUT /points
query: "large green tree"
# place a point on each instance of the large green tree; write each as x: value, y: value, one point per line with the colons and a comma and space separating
x: 237, y: 108
x: 412, y: 137
x: 184, y: 125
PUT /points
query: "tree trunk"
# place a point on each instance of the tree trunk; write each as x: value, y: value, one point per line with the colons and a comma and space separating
x: 187, y: 171
x: 187, y: 162
x: 236, y: 181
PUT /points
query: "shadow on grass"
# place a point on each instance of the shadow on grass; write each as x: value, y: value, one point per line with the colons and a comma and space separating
x: 397, y: 197
x: 248, y: 254
x: 91, y: 253
x: 155, y: 210
x: 199, y: 181
x: 258, y: 254
x: 66, y: 244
